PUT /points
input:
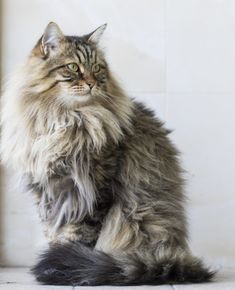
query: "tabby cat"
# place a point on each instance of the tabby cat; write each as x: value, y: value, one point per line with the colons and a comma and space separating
x: 106, y: 177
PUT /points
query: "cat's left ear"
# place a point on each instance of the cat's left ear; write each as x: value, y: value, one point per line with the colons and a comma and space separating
x: 95, y: 35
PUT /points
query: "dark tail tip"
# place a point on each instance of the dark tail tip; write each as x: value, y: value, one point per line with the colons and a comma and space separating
x: 56, y: 265
x: 51, y: 271
x: 76, y: 264
x: 190, y: 270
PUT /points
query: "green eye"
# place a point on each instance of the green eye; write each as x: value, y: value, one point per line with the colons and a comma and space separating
x: 73, y: 67
x: 96, y: 68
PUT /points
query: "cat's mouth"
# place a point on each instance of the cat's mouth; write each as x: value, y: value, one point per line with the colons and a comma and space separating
x: 81, y: 91
x: 76, y: 94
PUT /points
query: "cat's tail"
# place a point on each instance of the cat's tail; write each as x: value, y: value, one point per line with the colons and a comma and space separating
x: 77, y: 264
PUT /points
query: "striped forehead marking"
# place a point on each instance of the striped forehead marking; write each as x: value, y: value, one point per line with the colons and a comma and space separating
x: 85, y: 53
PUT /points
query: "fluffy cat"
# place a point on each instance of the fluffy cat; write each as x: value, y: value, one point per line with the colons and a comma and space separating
x: 106, y: 177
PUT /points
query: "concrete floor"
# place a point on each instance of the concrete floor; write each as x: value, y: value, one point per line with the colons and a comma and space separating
x: 20, y: 279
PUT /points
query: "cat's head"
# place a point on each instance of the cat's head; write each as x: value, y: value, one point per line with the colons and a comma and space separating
x: 70, y: 68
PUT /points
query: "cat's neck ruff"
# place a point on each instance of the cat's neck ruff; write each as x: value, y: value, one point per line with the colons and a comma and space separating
x: 35, y: 139
x: 39, y: 131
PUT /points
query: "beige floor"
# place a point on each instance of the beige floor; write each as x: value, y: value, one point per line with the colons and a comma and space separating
x: 20, y: 279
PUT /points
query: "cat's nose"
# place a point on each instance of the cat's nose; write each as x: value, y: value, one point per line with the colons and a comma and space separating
x: 90, y: 83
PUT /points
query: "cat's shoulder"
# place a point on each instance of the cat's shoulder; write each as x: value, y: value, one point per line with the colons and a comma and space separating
x: 145, y: 114
x: 146, y: 121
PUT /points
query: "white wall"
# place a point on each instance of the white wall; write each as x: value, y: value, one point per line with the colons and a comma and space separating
x: 178, y: 56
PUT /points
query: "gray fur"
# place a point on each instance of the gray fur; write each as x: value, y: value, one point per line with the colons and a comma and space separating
x: 103, y: 169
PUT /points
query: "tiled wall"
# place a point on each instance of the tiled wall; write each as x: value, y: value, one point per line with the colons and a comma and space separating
x: 178, y: 56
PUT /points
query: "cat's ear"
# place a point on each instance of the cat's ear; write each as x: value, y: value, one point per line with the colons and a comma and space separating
x: 51, y: 39
x: 95, y: 35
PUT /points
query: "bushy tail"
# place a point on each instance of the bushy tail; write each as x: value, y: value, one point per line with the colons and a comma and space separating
x: 77, y: 264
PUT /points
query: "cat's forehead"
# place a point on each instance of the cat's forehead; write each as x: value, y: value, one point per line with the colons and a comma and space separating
x: 83, y: 51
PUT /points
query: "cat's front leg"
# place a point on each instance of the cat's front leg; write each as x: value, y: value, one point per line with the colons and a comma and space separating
x: 82, y: 232
x: 67, y: 233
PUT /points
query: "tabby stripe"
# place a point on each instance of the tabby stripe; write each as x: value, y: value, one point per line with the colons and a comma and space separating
x: 54, y: 84
x: 81, y: 55
x: 53, y: 69
x: 82, y: 50
x: 68, y: 76
x: 88, y: 52
x: 78, y: 56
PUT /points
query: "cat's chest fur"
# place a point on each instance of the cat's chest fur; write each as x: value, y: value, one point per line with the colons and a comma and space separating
x: 67, y: 144
x: 71, y: 162
x: 66, y: 156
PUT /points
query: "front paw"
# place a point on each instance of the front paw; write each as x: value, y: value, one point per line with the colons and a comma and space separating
x: 67, y: 233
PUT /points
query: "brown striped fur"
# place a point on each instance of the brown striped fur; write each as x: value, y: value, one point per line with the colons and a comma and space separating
x: 102, y: 167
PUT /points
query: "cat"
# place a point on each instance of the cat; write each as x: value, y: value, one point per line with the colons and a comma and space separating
x: 106, y: 178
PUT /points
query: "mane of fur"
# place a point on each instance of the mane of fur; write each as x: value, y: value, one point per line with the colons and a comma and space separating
x: 40, y: 133
x: 107, y: 177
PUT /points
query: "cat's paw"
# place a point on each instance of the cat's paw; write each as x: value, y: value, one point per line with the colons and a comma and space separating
x: 69, y: 233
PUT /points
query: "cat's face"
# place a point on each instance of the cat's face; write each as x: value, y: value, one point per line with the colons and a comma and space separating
x: 72, y: 69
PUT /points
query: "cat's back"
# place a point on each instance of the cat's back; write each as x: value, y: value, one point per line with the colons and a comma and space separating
x: 146, y: 124
x: 150, y: 145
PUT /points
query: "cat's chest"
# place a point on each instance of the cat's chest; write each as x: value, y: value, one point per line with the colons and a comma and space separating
x: 71, y: 146
x: 52, y: 152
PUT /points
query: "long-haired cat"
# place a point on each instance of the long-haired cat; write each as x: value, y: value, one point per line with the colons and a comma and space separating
x: 105, y: 175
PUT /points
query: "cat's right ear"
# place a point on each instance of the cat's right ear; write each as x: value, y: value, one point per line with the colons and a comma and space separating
x: 51, y: 39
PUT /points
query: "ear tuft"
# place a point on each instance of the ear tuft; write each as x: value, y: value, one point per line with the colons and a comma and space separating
x: 96, y: 34
x: 51, y: 37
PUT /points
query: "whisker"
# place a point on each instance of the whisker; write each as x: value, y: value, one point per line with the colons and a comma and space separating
x: 105, y: 97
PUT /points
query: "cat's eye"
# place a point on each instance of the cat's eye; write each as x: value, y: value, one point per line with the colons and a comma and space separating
x: 96, y: 68
x: 73, y: 67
